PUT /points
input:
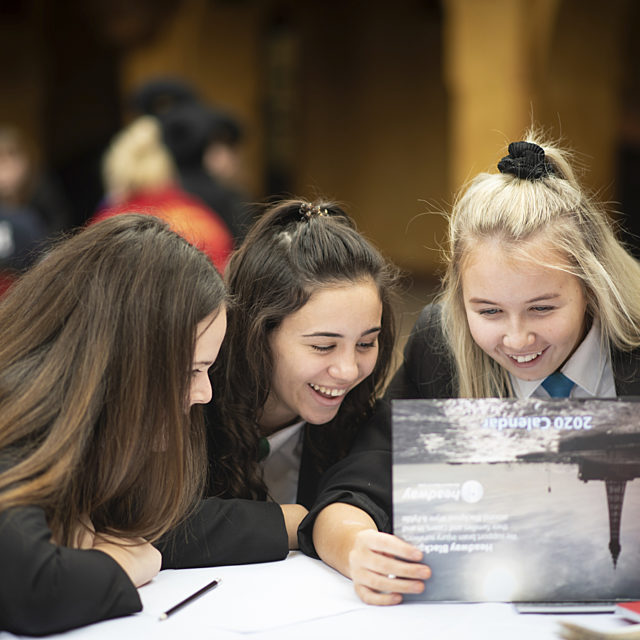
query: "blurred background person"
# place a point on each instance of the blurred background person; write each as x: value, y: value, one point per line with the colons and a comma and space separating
x: 206, y: 145
x: 161, y: 94
x: 32, y: 207
x: 24, y: 185
x: 21, y: 235
x: 140, y: 176
x: 388, y: 107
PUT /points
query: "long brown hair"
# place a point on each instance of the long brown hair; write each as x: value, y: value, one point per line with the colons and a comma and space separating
x: 293, y: 250
x: 96, y: 348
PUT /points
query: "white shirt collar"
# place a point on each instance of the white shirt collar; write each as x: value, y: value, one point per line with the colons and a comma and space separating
x: 589, y: 367
x: 281, y: 467
x: 278, y: 439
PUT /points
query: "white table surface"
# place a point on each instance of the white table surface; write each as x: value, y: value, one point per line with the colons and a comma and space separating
x: 301, y: 598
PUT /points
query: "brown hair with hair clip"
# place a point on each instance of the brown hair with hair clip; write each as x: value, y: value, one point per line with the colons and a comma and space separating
x: 294, y: 249
x: 309, y: 210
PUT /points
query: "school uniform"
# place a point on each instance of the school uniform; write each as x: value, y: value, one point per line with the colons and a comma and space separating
x: 225, y: 532
x: 46, y: 588
x: 428, y: 369
x: 362, y: 479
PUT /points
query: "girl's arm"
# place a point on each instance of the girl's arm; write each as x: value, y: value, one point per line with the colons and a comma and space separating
x: 294, y: 514
x: 382, y: 566
x: 352, y: 508
x: 139, y: 559
x: 228, y: 531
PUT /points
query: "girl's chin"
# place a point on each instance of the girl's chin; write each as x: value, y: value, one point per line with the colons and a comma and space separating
x: 319, y: 419
x: 530, y: 374
x: 527, y: 378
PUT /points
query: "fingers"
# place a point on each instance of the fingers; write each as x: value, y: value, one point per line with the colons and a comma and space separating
x: 383, y: 567
x: 387, y: 555
x: 385, y: 591
x: 369, y: 596
x: 388, y: 544
x: 406, y: 577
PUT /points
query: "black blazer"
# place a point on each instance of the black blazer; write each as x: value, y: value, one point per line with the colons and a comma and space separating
x: 428, y: 370
x: 46, y: 588
x: 237, y: 531
x: 221, y: 532
x: 361, y: 479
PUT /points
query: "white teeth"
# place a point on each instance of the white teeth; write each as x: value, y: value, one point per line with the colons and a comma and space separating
x: 334, y: 393
x: 527, y: 358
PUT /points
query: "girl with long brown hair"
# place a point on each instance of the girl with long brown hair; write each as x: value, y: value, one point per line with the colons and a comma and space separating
x: 309, y: 345
x: 105, y: 346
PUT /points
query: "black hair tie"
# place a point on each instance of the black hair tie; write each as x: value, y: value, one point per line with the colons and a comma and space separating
x: 527, y: 161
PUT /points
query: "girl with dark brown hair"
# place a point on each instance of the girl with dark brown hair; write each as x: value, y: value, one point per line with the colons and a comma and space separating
x: 309, y: 345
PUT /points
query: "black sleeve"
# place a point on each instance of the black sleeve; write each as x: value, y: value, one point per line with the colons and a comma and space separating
x: 427, y: 370
x: 223, y: 532
x: 46, y: 588
x: 626, y: 372
x: 362, y: 479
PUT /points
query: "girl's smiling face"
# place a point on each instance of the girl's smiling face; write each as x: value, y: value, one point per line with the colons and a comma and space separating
x: 529, y: 318
x: 321, y: 352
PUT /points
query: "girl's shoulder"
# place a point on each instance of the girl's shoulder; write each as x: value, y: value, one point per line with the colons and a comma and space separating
x: 428, y: 368
x: 427, y: 335
x: 626, y: 371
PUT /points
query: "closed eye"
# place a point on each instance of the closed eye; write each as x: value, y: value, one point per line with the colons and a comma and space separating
x: 367, y: 345
x: 322, y: 349
x: 200, y: 367
x: 543, y: 308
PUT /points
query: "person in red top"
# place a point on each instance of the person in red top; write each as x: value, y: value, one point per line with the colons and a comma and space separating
x: 139, y: 177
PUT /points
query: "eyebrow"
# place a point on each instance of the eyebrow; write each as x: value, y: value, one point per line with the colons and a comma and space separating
x: 329, y: 334
x: 204, y: 362
x: 546, y: 296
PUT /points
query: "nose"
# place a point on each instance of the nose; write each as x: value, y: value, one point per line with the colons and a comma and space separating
x: 201, y: 392
x: 344, y: 367
x: 518, y: 337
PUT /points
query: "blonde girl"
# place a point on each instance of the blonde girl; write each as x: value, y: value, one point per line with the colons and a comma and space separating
x: 536, y: 285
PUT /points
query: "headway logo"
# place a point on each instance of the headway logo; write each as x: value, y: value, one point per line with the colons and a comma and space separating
x: 470, y: 491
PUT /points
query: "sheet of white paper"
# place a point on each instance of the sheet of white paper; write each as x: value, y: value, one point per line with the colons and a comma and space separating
x: 253, y: 597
